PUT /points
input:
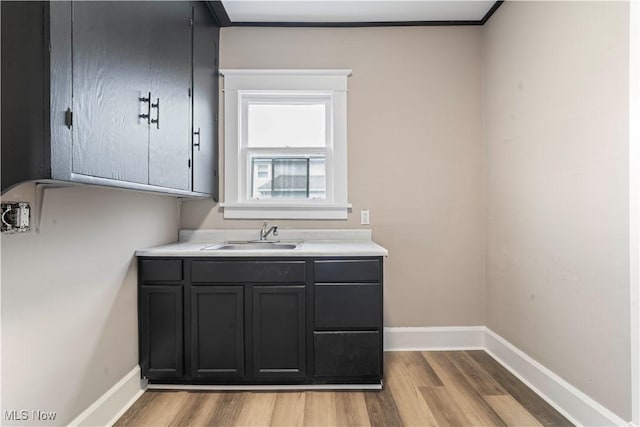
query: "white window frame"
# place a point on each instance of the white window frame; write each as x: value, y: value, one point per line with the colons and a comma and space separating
x: 304, y: 86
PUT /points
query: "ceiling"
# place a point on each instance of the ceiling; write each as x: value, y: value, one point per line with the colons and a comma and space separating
x: 358, y: 11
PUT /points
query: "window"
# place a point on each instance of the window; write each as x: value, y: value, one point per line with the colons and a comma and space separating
x: 285, y: 144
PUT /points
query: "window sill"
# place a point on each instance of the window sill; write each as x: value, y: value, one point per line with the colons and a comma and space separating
x: 285, y: 211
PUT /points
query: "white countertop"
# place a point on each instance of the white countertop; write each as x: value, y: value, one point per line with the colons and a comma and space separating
x: 314, y: 243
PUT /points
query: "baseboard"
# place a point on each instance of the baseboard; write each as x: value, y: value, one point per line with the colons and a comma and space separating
x: 114, y: 403
x: 579, y: 408
x: 436, y: 338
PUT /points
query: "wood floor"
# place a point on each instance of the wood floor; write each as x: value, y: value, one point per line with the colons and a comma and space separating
x: 448, y: 388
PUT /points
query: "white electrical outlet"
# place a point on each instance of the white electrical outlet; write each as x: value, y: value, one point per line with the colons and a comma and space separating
x: 364, y: 217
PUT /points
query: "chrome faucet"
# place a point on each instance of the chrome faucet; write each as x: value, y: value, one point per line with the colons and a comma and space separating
x: 265, y: 231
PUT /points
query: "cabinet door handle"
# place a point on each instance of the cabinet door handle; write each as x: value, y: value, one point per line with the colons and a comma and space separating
x: 157, y: 107
x: 197, y: 144
x: 146, y: 100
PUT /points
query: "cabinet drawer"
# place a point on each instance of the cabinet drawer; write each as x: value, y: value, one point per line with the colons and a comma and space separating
x: 353, y: 306
x: 248, y: 271
x: 161, y: 270
x: 347, y: 354
x: 347, y: 270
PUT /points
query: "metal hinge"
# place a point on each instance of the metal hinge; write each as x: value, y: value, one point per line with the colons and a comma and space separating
x: 191, y: 22
x: 189, y: 92
x: 68, y: 118
x: 189, y: 162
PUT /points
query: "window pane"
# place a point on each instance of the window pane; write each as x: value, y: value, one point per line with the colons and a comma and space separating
x: 286, y: 125
x: 293, y: 178
x: 261, y: 178
x: 290, y: 179
x: 317, y: 178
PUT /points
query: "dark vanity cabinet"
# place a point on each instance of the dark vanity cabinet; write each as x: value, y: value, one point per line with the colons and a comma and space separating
x: 109, y: 93
x: 261, y: 321
x: 348, y: 313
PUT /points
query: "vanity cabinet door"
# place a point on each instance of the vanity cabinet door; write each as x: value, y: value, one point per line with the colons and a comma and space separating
x: 279, y: 330
x: 217, y: 331
x: 161, y: 331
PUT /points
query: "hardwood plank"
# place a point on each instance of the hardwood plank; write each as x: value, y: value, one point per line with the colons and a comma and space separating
x: 479, y: 379
x: 136, y: 414
x: 289, y: 409
x: 382, y: 409
x: 351, y: 410
x: 512, y: 412
x: 445, y: 409
x: 166, y: 404
x: 257, y: 409
x: 534, y: 404
x: 227, y: 409
x: 405, y: 391
x: 415, y: 366
x: 195, y: 409
x: 475, y: 408
x: 208, y: 404
x: 320, y: 408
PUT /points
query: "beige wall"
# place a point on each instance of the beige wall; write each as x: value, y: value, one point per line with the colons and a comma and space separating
x: 556, y: 87
x: 415, y: 155
x: 69, y: 299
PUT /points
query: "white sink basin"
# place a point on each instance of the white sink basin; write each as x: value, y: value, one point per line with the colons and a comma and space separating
x: 252, y: 245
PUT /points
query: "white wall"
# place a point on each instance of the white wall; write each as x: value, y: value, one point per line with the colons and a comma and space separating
x: 557, y: 134
x: 634, y: 208
x: 69, y: 296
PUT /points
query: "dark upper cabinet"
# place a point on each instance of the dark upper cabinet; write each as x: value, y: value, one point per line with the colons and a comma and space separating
x: 36, y: 91
x: 111, y: 71
x: 205, y: 101
x: 170, y: 86
x: 101, y: 93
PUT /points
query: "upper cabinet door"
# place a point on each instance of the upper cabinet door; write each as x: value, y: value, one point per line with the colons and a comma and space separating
x: 111, y: 64
x: 205, y: 101
x: 170, y: 83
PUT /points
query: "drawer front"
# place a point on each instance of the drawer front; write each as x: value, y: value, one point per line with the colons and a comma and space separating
x: 336, y: 271
x: 347, y: 354
x: 161, y: 270
x: 248, y: 271
x: 352, y: 306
